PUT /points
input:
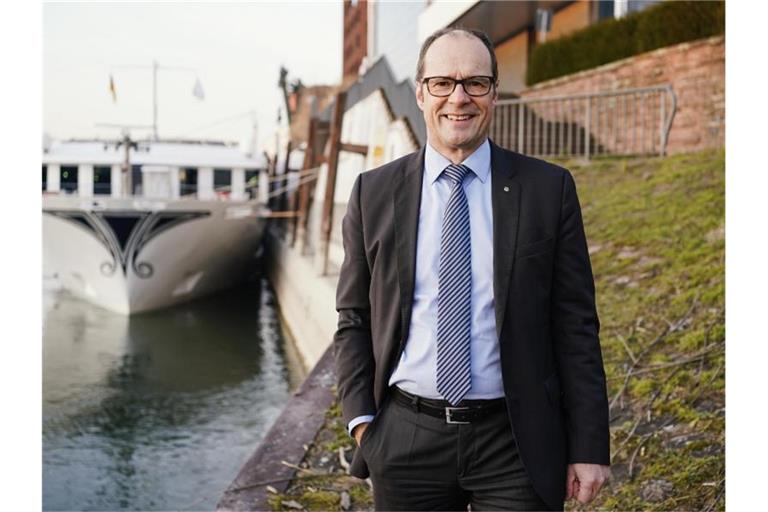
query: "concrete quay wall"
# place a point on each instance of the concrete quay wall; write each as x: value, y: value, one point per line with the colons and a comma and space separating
x: 307, y: 300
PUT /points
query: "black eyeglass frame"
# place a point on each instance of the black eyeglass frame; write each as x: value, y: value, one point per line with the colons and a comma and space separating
x: 456, y: 82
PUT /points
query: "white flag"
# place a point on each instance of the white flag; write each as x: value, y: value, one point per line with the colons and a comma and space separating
x: 198, y: 90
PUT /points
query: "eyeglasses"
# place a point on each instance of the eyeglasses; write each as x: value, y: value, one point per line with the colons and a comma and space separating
x: 442, y: 86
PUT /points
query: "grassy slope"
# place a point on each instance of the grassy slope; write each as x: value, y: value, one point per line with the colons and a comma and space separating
x: 656, y: 234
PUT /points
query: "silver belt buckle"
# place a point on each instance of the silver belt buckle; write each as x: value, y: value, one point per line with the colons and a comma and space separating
x: 449, y: 419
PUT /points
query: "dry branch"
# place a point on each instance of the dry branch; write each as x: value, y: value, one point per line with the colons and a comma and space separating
x: 626, y: 347
x: 642, y: 442
x: 689, y: 359
x: 626, y: 439
x: 671, y: 327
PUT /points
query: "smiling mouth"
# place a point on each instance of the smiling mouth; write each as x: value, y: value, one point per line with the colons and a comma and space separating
x: 458, y: 117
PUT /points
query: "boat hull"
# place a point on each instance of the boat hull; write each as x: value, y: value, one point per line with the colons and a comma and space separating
x: 132, y: 255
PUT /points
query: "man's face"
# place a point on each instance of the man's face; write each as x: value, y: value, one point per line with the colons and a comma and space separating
x: 456, y: 124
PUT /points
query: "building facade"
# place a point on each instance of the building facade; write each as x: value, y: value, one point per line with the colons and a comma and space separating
x: 512, y: 26
x: 355, y: 46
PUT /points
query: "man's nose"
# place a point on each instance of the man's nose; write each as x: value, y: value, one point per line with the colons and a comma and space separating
x: 459, y: 95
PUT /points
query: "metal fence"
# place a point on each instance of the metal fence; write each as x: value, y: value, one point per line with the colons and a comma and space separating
x: 626, y: 122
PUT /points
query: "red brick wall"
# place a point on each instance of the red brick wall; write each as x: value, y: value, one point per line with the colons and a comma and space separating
x: 696, y: 71
x: 355, y: 37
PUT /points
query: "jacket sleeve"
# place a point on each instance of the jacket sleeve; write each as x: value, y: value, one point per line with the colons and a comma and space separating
x: 576, y: 342
x: 352, y: 341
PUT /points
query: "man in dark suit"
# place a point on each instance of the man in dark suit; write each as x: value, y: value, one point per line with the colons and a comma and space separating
x: 467, y: 350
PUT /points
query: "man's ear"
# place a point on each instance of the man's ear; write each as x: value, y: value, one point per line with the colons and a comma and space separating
x: 495, y: 93
x: 419, y: 96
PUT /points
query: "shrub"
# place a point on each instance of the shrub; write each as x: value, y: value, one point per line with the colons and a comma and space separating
x: 664, y: 24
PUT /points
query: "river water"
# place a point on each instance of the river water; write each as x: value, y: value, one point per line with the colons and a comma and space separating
x: 158, y: 411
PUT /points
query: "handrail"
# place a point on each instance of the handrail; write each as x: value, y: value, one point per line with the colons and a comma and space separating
x: 291, y: 186
x: 301, y: 174
x: 620, y: 92
x: 628, y: 121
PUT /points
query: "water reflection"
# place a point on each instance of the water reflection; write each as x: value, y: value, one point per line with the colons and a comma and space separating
x: 160, y: 410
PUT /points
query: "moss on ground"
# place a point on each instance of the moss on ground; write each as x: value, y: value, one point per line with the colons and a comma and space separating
x: 656, y: 231
x: 322, y: 485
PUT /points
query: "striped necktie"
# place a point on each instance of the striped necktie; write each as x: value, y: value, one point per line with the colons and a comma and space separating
x: 454, y: 295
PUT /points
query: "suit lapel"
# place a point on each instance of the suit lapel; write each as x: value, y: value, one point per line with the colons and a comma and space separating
x: 407, y: 200
x: 505, y: 193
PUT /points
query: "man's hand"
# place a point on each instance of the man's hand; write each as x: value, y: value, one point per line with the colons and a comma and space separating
x: 585, y: 480
x: 357, y: 432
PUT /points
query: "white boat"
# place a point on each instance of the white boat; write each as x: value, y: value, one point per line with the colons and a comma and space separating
x: 137, y: 226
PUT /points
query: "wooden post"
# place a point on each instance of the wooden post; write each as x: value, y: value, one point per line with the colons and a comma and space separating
x: 330, y: 185
x: 283, y: 198
x: 268, y: 182
x: 360, y: 149
x: 303, y: 193
x: 319, y: 140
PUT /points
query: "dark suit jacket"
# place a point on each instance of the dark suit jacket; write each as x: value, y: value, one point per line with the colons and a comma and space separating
x: 546, y: 319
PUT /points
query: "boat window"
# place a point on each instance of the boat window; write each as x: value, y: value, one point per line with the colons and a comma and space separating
x: 137, y: 180
x: 188, y: 179
x: 68, y: 178
x: 252, y: 182
x: 45, y: 178
x: 222, y: 179
x: 102, y: 180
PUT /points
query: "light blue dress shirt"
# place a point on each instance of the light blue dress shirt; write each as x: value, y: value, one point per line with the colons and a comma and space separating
x: 416, y: 371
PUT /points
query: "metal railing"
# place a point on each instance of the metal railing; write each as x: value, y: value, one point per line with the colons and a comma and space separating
x: 626, y: 122
x: 293, y: 181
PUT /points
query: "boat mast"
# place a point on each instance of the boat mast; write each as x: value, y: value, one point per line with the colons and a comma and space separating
x: 127, y: 175
x: 127, y: 144
x: 197, y: 91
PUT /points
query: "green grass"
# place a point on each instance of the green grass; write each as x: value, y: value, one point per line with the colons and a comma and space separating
x: 655, y: 227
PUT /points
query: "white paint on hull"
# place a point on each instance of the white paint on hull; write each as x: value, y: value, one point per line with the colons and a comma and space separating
x: 188, y: 260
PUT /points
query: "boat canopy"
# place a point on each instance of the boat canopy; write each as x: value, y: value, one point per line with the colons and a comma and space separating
x: 172, y: 153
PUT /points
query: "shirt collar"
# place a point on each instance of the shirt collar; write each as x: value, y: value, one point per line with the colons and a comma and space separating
x: 479, y: 162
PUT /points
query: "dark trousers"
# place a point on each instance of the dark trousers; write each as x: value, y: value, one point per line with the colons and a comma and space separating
x: 420, y: 462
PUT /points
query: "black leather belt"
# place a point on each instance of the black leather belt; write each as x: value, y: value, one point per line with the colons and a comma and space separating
x: 468, y: 412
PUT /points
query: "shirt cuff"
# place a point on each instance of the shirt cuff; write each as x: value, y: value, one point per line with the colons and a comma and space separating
x: 367, y: 418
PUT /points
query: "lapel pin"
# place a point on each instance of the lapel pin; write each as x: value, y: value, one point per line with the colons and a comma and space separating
x: 506, y: 189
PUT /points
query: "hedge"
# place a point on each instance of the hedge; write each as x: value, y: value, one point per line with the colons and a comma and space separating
x: 664, y: 24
